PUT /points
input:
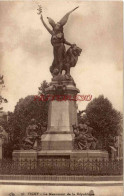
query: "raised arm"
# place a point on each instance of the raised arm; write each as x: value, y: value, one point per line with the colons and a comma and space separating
x: 45, y: 25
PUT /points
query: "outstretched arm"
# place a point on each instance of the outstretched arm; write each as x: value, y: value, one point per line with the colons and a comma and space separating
x: 48, y: 29
x: 67, y: 43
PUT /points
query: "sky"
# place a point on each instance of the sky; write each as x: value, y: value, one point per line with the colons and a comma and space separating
x: 26, y: 52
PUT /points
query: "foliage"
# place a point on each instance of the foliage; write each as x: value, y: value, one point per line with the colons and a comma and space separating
x: 26, y: 109
x: 104, y: 119
x: 44, y: 85
x: 7, y: 150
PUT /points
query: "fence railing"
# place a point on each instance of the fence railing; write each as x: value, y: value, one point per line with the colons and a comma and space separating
x: 61, y: 167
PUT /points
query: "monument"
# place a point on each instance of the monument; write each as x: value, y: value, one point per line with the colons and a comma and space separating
x: 64, y: 137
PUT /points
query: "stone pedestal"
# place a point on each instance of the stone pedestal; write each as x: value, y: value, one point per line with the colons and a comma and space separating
x: 62, y: 115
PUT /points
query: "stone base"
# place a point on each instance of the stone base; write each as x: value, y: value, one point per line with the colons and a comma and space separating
x: 57, y: 141
x: 28, y: 155
x: 89, y: 155
x: 24, y: 155
x: 74, y: 155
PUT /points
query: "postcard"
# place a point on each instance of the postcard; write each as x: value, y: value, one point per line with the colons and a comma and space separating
x: 61, y: 101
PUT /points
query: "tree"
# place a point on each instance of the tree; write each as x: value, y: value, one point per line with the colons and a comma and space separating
x: 26, y: 109
x: 43, y: 86
x: 104, y: 119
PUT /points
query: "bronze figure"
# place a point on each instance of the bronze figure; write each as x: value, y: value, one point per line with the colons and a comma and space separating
x: 62, y: 60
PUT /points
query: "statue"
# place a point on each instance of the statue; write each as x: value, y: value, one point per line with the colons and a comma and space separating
x: 62, y: 60
x: 32, y: 138
x: 83, y: 137
x: 80, y: 142
x: 42, y: 128
x: 71, y: 58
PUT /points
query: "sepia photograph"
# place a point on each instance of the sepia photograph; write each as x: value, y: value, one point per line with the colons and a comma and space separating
x: 61, y: 98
